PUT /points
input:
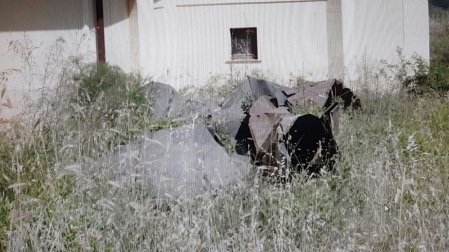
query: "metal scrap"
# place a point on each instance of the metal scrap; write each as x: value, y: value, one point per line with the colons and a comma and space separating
x: 260, y: 116
x: 276, y: 138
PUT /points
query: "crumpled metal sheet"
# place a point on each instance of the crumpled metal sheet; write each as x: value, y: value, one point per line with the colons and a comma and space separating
x: 168, y: 103
x: 258, y: 116
x: 178, y: 163
x: 231, y: 112
x: 188, y: 161
x: 265, y: 116
x: 274, y: 137
x: 323, y: 94
x: 312, y: 94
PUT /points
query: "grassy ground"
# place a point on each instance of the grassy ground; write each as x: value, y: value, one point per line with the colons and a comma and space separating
x: 393, y: 154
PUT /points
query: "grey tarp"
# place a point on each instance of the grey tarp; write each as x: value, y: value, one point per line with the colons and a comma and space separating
x: 168, y: 103
x: 182, y: 162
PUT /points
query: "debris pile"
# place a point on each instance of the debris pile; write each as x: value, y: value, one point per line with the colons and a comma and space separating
x: 280, y: 130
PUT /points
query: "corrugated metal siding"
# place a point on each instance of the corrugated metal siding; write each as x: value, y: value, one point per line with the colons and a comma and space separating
x: 373, y: 30
x: 335, y: 39
x: 134, y: 35
x: 117, y: 34
x: 416, y: 30
x: 188, y: 45
x: 188, y: 42
x: 40, y: 24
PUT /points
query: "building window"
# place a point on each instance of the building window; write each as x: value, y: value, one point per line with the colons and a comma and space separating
x: 244, y: 43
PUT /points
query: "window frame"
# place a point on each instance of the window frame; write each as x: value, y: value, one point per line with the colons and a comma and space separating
x: 158, y: 4
x: 244, y: 33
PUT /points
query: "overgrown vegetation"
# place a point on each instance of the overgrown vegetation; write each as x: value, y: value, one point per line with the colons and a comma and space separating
x: 110, y: 106
x: 438, y: 77
x: 414, y: 74
x: 96, y: 108
x: 5, y: 102
x: 388, y: 190
x: 440, y: 3
x: 394, y: 153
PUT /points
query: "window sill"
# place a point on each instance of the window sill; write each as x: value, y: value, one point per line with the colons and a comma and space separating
x: 243, y: 61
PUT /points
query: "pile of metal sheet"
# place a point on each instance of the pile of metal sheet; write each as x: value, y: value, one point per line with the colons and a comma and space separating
x: 271, y: 127
x: 277, y: 129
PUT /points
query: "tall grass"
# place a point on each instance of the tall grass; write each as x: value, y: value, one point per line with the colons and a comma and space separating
x: 96, y: 108
x: 57, y: 196
x: 387, y: 192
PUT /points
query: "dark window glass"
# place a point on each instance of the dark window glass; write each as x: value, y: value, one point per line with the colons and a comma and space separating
x: 244, y: 43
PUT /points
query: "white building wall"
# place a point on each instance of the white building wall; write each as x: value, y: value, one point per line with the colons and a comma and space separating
x: 187, y: 42
x: 416, y: 28
x: 335, y: 40
x: 36, y: 38
x: 373, y: 30
x: 117, y: 34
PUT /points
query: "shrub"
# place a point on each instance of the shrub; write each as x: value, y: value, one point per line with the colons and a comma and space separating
x: 438, y: 77
x: 110, y: 105
x: 103, y: 79
x: 110, y: 88
x: 440, y: 3
x: 415, y: 74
